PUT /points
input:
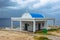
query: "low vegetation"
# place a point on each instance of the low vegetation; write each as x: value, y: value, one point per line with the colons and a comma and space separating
x: 45, y: 31
x: 53, y: 30
x: 41, y: 38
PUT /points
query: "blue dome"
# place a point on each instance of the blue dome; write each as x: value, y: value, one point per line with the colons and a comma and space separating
x: 36, y: 15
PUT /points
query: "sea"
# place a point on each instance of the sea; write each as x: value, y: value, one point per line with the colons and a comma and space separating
x: 6, y: 22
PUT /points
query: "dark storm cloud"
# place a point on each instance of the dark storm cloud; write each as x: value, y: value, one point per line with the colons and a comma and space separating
x: 5, y: 3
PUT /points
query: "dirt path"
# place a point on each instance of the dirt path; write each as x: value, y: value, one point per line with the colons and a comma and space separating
x: 10, y: 35
x: 53, y: 37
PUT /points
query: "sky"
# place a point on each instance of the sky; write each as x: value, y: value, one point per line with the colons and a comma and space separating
x: 15, y: 8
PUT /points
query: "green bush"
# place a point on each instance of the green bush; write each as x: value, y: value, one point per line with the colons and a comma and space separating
x: 41, y: 38
x: 44, y: 31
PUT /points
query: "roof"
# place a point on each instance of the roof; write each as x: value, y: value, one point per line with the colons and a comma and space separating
x: 32, y: 15
x: 36, y: 15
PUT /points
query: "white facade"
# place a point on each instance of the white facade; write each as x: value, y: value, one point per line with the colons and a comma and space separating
x: 28, y: 23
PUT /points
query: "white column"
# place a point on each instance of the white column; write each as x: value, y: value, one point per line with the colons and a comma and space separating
x: 45, y: 24
x: 41, y: 26
x: 34, y: 26
x: 20, y: 25
x: 11, y: 24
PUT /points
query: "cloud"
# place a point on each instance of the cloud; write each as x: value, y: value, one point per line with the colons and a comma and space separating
x: 6, y: 3
x: 26, y: 4
x: 12, y: 7
x: 31, y: 4
x: 23, y: 3
x: 44, y: 6
x: 43, y: 3
x: 3, y: 3
x: 40, y: 3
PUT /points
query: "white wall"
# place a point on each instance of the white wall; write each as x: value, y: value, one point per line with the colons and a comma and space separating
x: 41, y: 26
x: 30, y: 27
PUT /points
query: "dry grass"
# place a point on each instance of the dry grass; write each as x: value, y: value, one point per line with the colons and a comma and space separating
x: 41, y: 38
x: 55, y: 32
